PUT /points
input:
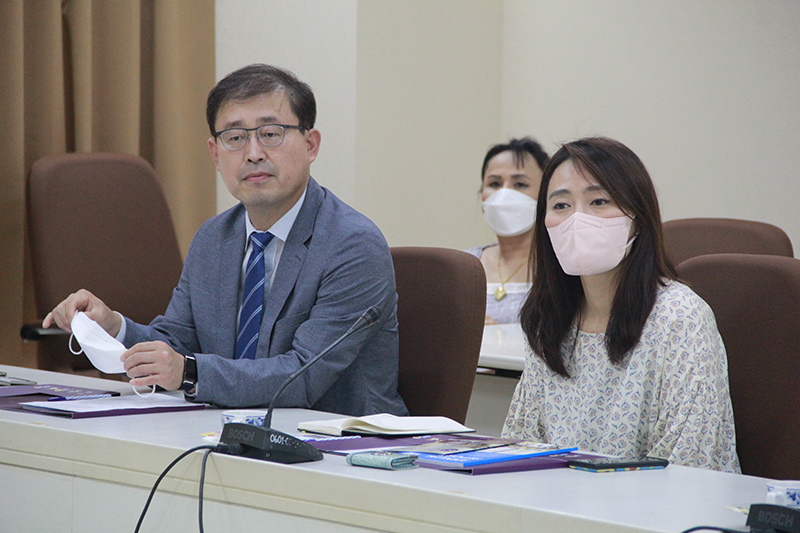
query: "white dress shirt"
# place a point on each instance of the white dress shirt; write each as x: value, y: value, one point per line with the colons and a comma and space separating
x: 272, y: 253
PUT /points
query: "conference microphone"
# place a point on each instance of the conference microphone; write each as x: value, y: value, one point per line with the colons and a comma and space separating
x: 263, y: 442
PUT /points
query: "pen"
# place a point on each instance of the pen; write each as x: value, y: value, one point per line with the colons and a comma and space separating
x: 85, y: 397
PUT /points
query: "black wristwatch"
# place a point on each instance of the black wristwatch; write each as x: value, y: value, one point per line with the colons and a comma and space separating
x: 189, y: 374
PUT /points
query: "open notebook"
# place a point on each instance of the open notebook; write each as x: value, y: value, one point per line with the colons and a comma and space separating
x: 384, y: 424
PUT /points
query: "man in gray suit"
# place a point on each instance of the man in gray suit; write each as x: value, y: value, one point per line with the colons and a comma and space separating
x: 273, y: 281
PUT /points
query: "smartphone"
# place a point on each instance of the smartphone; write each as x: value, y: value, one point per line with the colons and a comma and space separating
x: 615, y: 464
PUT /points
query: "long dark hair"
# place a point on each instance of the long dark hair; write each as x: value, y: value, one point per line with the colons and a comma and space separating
x: 554, y: 303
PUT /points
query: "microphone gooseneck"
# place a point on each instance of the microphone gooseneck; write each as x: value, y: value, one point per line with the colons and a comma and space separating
x: 367, y: 319
x: 262, y: 442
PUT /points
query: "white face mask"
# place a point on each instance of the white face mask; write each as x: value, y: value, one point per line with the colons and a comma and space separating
x: 587, y: 245
x: 509, y: 213
x: 103, y: 350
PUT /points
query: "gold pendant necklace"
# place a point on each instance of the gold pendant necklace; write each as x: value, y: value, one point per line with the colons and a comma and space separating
x: 500, y: 292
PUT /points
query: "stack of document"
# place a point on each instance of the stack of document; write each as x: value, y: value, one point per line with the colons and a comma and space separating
x: 122, y: 405
x: 469, y: 454
x: 494, y: 454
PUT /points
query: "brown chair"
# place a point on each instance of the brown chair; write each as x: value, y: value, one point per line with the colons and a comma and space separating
x: 756, y: 301
x: 690, y: 237
x: 98, y: 221
x: 440, y: 312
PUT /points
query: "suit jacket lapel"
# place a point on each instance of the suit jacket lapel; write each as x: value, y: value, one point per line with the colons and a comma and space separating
x: 292, y: 257
x: 228, y: 278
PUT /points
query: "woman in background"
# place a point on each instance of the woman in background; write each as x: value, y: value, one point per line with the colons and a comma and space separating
x: 511, y: 175
x: 626, y: 360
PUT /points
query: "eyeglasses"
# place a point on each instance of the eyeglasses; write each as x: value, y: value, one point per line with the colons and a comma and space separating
x: 268, y: 135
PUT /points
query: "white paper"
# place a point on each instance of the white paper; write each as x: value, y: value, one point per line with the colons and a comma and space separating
x: 111, y: 404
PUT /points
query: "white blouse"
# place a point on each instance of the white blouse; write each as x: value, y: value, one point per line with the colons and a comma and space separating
x: 669, y: 398
x: 505, y: 311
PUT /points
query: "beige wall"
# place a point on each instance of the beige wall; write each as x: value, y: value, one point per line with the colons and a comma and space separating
x: 412, y: 92
x: 428, y: 108
x: 315, y: 39
x: 706, y: 93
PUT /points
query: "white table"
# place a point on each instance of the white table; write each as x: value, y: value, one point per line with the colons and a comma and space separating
x: 503, y: 347
x: 94, y: 475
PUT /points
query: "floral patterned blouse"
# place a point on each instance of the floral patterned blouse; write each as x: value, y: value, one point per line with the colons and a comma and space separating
x: 669, y: 398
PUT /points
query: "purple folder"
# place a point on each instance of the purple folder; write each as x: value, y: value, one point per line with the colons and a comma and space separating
x: 11, y: 397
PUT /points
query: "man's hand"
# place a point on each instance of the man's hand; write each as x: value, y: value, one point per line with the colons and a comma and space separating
x: 154, y: 363
x: 90, y: 304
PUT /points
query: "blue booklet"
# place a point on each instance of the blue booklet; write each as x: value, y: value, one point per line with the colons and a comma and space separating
x: 509, y: 452
x: 542, y: 462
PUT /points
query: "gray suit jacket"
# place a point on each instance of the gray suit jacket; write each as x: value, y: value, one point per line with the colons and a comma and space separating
x: 334, y: 265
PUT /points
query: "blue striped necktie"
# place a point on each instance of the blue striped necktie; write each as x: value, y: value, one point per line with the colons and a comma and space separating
x: 252, y: 298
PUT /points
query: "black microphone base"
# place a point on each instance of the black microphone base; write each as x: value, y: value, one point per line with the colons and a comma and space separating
x: 268, y: 444
x: 777, y: 518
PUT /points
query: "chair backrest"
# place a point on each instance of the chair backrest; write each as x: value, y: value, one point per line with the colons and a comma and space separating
x: 756, y: 301
x: 100, y: 221
x: 440, y: 312
x: 690, y: 237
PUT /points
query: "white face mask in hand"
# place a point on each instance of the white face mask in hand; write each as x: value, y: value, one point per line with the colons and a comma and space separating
x: 509, y: 213
x: 103, y: 350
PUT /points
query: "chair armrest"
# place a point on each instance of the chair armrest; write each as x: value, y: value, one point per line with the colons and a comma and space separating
x: 35, y: 332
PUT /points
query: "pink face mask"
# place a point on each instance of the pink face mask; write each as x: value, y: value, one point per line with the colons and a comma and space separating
x: 587, y: 245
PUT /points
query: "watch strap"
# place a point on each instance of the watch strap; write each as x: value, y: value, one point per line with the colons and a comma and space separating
x: 189, y: 374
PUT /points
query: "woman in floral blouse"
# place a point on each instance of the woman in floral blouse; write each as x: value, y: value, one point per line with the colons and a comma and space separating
x: 626, y: 360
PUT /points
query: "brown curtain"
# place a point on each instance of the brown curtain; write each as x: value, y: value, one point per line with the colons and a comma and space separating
x: 126, y: 76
